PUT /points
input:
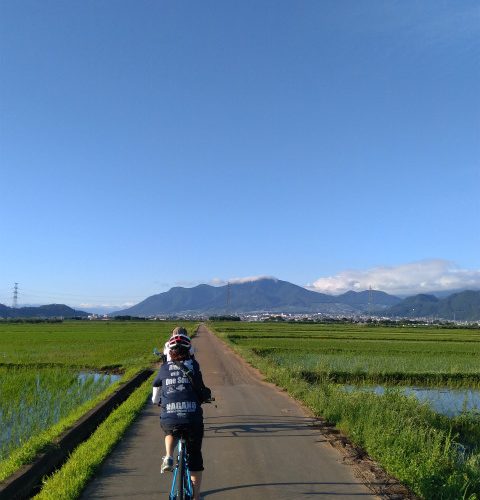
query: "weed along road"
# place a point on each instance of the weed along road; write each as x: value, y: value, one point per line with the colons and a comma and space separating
x: 259, y: 444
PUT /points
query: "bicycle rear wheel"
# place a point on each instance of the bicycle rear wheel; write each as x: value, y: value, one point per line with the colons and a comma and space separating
x: 179, y: 477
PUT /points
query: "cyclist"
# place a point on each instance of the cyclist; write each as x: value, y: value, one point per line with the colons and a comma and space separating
x: 177, y: 387
x: 179, y: 330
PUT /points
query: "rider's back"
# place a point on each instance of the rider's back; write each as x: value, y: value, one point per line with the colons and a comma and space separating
x: 179, y: 400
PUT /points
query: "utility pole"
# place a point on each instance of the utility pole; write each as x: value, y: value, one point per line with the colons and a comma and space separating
x: 15, y: 296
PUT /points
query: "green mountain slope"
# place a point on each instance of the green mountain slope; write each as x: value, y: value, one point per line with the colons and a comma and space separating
x: 462, y: 306
x: 267, y: 294
x: 47, y: 311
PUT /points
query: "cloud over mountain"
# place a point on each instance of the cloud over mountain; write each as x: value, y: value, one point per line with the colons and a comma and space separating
x: 247, y: 279
x: 406, y: 279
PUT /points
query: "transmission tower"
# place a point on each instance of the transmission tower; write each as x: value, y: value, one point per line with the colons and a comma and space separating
x: 370, y: 300
x: 227, y: 309
x: 15, y: 296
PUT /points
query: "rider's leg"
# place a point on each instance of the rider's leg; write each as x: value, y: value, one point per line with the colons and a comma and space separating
x: 195, y: 458
x: 170, y: 443
x: 197, y: 482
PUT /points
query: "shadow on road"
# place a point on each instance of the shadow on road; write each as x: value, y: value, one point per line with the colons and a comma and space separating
x: 303, y: 420
x: 298, y: 492
x: 242, y: 426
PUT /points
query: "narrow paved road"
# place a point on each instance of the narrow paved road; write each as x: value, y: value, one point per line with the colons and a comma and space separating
x: 259, y: 443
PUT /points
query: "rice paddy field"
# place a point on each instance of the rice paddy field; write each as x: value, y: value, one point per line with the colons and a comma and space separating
x: 355, y: 353
x: 97, y: 345
x: 337, y: 369
x: 53, y: 373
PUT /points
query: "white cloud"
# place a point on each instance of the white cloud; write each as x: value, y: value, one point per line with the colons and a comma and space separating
x: 217, y: 282
x: 106, y: 306
x: 247, y: 279
x: 406, y: 279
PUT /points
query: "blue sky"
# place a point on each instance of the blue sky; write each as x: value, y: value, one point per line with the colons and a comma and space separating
x: 147, y: 144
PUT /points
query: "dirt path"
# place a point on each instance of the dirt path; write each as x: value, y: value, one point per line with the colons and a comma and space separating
x: 259, y: 444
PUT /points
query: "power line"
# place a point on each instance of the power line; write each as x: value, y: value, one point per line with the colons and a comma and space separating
x: 46, y: 293
x: 43, y: 296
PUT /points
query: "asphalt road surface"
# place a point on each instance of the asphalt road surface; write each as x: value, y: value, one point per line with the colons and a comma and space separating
x: 259, y: 444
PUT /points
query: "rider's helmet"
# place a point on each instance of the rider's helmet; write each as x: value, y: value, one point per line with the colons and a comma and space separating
x: 179, y: 330
x: 179, y: 341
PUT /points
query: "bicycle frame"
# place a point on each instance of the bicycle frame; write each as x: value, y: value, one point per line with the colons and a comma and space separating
x: 182, y: 488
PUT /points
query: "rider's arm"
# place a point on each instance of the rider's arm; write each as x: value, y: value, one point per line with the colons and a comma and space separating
x: 204, y: 393
x: 197, y: 375
x: 157, y: 388
x: 166, y: 353
x: 156, y: 395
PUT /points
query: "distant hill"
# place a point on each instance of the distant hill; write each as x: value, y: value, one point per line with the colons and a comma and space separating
x: 369, y: 298
x: 416, y: 306
x: 261, y: 295
x: 48, y: 311
x: 463, y: 306
x: 446, y: 293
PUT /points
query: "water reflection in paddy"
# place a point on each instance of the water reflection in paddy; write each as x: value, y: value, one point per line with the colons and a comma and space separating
x: 109, y: 378
x: 444, y: 400
x: 32, y: 400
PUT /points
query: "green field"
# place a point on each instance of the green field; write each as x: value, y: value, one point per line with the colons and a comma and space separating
x: 47, y: 381
x: 100, y: 345
x: 33, y: 400
x: 355, y: 353
x: 436, y: 456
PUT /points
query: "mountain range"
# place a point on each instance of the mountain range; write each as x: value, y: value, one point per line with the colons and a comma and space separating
x: 275, y: 296
x: 261, y: 295
x: 463, y: 306
x: 48, y: 311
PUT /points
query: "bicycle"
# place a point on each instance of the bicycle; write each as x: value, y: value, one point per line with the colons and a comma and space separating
x: 182, y: 487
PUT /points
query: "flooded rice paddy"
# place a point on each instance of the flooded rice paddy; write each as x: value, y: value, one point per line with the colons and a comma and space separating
x: 32, y: 400
x: 443, y: 400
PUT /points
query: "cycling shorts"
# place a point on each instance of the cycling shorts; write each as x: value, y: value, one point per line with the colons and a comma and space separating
x: 193, y: 436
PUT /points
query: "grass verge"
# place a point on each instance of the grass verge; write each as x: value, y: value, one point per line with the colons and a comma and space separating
x: 68, y: 482
x: 409, y: 440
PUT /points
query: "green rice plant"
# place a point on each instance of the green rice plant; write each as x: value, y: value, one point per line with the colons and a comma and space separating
x: 412, y: 442
x: 68, y: 482
x: 98, y: 345
x: 346, y: 331
x: 357, y: 354
x: 121, y: 347
x: 34, y: 400
x: 37, y: 443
